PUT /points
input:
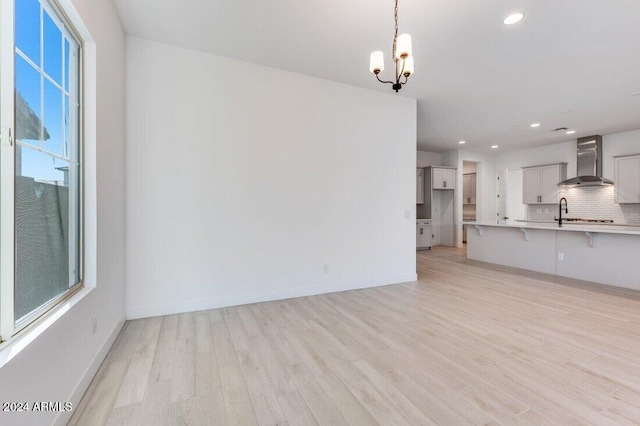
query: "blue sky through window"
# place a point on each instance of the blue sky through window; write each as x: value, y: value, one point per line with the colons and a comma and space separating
x: 52, y: 57
x: 27, y: 28
x: 33, y: 25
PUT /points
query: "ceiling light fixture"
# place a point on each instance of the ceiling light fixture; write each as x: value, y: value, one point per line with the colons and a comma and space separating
x: 535, y: 125
x: 402, y: 57
x: 570, y: 132
x: 514, y: 18
x: 494, y: 146
x: 462, y: 142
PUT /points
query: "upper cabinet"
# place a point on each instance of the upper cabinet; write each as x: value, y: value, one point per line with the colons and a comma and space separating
x: 443, y: 178
x: 419, y: 186
x: 469, y: 188
x: 627, y: 179
x: 540, y: 183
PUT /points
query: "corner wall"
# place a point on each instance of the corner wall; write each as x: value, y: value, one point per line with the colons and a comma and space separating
x: 426, y: 158
x: 247, y: 183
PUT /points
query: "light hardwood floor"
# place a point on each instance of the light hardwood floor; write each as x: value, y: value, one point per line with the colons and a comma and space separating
x: 468, y: 343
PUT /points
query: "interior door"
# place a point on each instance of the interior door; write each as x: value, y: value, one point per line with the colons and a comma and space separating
x: 466, y: 189
x: 472, y: 188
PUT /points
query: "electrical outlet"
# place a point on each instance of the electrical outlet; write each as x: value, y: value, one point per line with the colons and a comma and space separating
x: 407, y: 214
x: 325, y: 268
x: 94, y: 324
x: 560, y: 256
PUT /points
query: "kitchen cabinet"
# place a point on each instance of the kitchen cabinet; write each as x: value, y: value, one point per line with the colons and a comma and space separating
x: 469, y: 188
x: 443, y: 178
x: 423, y: 234
x: 419, y: 186
x: 627, y: 179
x: 540, y: 183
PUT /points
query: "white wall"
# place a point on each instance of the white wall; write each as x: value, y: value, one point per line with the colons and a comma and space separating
x: 426, y: 158
x: 244, y: 181
x: 564, y: 152
x: 59, y: 364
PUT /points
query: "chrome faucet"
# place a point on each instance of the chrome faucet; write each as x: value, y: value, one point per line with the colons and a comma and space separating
x: 566, y: 210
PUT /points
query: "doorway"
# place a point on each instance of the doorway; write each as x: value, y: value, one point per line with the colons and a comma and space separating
x: 469, y: 194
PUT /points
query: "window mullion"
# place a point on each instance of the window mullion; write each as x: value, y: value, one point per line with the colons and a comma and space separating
x: 7, y: 172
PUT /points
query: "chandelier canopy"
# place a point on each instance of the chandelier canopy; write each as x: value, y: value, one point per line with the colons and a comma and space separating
x: 402, y: 56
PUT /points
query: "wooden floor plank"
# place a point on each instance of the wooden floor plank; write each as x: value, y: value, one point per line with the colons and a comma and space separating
x: 468, y: 343
x: 135, y: 381
x: 155, y: 407
x: 209, y: 393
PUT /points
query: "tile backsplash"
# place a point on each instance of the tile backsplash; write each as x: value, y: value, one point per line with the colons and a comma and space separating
x: 594, y: 202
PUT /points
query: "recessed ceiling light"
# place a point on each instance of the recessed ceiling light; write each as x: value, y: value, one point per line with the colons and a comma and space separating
x: 494, y: 146
x: 535, y: 125
x: 514, y: 18
x: 462, y: 142
x: 570, y: 132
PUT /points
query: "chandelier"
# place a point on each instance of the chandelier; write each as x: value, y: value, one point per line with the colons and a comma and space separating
x: 402, y: 57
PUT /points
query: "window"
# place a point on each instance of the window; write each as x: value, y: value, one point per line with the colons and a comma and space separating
x: 41, y: 207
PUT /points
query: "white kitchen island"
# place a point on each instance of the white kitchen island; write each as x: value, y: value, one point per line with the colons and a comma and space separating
x: 606, y: 254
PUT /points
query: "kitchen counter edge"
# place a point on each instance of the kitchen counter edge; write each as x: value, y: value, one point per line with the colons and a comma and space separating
x: 604, y: 229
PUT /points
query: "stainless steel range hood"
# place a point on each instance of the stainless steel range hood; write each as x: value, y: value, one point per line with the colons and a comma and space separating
x: 589, y: 164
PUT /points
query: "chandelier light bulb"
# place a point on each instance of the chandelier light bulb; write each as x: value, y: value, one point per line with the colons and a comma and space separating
x: 403, y: 46
x: 408, y: 66
x: 376, y: 63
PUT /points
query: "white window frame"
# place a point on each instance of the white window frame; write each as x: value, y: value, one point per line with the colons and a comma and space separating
x: 7, y: 172
x: 9, y: 327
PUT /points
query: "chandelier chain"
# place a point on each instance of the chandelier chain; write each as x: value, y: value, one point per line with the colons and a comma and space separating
x: 395, y: 36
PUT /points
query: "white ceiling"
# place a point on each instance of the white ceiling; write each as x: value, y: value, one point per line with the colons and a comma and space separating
x: 569, y: 63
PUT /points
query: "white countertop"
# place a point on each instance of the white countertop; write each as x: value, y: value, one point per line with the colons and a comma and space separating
x: 566, y: 226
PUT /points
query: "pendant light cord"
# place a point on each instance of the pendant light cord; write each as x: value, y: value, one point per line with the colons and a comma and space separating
x: 395, y: 36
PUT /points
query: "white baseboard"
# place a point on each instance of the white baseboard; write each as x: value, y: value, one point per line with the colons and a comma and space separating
x: 64, y: 417
x: 146, y: 311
